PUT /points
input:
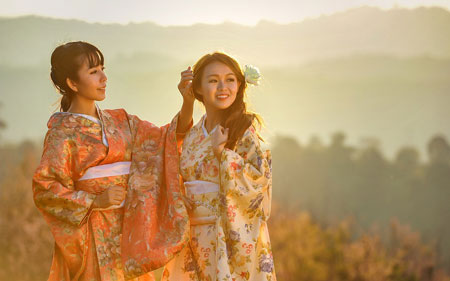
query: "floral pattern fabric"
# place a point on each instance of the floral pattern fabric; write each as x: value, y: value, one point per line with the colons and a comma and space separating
x: 156, y: 221
x: 89, y: 242
x: 236, y: 246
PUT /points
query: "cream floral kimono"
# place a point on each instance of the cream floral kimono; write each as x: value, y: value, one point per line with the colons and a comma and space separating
x: 231, y: 204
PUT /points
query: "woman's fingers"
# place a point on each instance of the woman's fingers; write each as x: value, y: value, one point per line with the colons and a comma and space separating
x: 187, y: 76
x: 117, y: 194
x: 220, y: 135
x: 223, y: 131
x: 187, y: 202
x: 186, y: 79
x: 187, y: 72
x: 185, y: 82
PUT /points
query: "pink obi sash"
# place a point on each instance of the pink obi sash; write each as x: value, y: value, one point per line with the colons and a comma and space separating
x: 98, y: 178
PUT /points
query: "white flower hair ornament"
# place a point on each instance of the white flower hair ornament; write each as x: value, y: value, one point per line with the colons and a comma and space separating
x: 252, y: 74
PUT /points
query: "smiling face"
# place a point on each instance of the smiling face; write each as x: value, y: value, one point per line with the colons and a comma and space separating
x: 218, y: 86
x: 91, y: 82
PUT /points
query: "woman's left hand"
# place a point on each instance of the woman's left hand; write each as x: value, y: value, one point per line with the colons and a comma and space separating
x: 185, y: 85
x: 218, y: 140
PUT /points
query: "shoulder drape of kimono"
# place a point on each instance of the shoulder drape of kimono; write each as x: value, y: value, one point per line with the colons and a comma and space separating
x: 156, y: 220
x: 245, y: 195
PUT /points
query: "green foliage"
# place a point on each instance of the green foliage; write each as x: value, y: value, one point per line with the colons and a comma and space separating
x: 339, y: 181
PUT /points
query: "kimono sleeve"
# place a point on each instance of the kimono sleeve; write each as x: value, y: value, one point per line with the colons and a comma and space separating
x: 156, y: 223
x: 53, y: 187
x: 246, y: 176
x: 136, y: 123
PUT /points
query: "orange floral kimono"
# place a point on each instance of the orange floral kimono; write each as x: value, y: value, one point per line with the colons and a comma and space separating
x: 230, y: 199
x: 82, y: 157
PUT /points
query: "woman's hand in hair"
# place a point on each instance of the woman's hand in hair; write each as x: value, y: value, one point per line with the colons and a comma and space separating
x: 111, y: 196
x: 218, y: 139
x: 187, y: 109
x: 185, y: 85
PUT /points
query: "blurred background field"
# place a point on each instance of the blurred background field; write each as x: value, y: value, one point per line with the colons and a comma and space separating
x: 339, y: 213
x: 356, y: 107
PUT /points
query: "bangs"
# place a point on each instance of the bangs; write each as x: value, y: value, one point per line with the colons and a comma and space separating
x: 91, y: 55
x: 94, y: 58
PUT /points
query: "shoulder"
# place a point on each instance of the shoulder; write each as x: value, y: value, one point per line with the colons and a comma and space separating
x: 250, y: 144
x: 59, y: 120
x: 250, y: 137
x: 58, y: 141
x: 61, y: 127
x: 196, y: 129
x: 194, y: 135
x: 115, y: 113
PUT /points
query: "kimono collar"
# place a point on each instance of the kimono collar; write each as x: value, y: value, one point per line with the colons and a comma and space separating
x: 205, y: 132
x: 69, y: 119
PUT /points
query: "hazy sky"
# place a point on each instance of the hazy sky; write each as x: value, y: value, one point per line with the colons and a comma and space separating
x: 185, y: 12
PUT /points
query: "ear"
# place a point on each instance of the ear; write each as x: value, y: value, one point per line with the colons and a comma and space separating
x: 72, y: 85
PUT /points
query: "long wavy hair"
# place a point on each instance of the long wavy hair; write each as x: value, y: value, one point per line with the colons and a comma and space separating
x: 66, y: 60
x: 236, y: 117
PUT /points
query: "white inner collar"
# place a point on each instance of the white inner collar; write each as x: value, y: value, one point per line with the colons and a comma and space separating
x: 205, y: 132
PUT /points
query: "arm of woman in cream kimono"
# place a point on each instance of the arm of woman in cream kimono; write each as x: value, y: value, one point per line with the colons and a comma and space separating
x: 246, y: 176
x: 53, y: 186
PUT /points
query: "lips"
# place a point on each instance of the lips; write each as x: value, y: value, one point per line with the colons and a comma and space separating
x: 222, y: 96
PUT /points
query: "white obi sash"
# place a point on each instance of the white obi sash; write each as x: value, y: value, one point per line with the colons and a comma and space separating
x: 108, y: 170
x: 202, y: 194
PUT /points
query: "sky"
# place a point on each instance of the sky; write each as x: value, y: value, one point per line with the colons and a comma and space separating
x: 187, y: 12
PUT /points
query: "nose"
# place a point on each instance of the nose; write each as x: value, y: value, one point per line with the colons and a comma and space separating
x: 104, y: 78
x: 220, y: 85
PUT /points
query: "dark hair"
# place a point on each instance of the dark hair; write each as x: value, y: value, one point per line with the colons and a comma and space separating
x: 236, y: 117
x: 66, y: 60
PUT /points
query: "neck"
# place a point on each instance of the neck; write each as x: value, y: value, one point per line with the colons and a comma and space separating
x: 83, y: 106
x: 212, y: 119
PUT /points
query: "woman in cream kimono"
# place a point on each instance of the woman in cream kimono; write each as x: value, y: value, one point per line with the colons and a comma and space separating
x: 227, y: 179
x: 92, y: 160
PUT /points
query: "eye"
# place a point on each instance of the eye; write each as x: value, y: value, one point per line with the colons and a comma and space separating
x: 93, y: 71
x: 231, y: 79
x: 212, y: 81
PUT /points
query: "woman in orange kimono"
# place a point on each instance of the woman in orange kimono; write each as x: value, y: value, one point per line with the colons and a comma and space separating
x: 227, y: 180
x: 92, y: 160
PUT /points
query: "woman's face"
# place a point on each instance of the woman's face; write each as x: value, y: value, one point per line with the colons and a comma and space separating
x: 219, y: 86
x: 91, y: 82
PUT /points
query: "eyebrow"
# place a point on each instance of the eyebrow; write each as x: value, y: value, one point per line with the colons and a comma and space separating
x: 231, y: 73
x: 97, y: 66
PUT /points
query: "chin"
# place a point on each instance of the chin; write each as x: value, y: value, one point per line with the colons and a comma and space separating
x: 101, y: 98
x: 223, y: 106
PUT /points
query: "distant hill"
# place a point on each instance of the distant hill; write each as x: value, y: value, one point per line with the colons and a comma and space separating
x: 366, y: 72
x: 399, y: 32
